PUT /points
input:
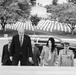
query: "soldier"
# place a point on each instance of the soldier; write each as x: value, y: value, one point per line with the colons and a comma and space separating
x: 66, y: 56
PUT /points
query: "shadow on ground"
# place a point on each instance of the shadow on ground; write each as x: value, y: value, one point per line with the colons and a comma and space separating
x: 40, y: 32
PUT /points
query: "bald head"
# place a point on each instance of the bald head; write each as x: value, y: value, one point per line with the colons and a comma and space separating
x: 21, y: 31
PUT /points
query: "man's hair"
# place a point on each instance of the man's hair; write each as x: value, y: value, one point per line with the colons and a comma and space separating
x: 20, y: 29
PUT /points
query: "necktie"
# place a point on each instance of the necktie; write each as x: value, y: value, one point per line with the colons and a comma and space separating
x: 21, y: 40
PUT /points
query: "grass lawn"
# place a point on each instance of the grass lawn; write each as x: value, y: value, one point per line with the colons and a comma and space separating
x: 39, y: 32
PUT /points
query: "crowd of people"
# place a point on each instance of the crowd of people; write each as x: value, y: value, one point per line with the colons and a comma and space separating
x: 22, y: 49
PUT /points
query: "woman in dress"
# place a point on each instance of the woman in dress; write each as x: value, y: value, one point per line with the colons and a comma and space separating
x: 49, y: 53
x: 66, y: 56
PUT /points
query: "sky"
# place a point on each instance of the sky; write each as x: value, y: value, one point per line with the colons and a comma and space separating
x: 45, y: 2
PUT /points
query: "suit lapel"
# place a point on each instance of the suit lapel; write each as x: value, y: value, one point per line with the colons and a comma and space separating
x: 7, y: 49
x: 18, y: 40
x: 24, y: 40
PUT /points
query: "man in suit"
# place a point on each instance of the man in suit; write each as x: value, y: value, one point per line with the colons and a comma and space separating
x: 21, y: 49
x: 36, y: 54
x: 6, y: 54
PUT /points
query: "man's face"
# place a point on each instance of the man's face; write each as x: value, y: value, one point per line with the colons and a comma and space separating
x: 33, y: 44
x: 66, y: 47
x: 9, y: 42
x: 21, y: 32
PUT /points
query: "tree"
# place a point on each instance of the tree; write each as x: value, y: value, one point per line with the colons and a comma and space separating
x: 54, y: 2
x: 64, y: 13
x: 73, y: 1
x: 69, y: 17
x: 34, y: 21
x: 13, y: 10
x: 33, y: 2
x: 72, y: 22
x: 56, y: 11
x: 3, y: 23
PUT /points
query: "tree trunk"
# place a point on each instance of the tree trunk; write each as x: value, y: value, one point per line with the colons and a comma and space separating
x: 72, y: 31
x: 34, y: 29
x: 3, y: 28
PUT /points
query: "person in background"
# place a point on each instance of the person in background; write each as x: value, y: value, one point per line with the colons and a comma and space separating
x: 49, y: 53
x: 66, y: 56
x: 6, y: 54
x: 36, y: 54
x: 21, y: 49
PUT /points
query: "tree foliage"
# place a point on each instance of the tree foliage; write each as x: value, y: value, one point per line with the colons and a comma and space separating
x: 54, y: 2
x: 13, y: 10
x: 73, y: 1
x: 34, y: 20
x: 58, y: 10
x: 64, y: 13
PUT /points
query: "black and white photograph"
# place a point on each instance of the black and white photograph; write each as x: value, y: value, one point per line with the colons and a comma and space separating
x: 38, y: 37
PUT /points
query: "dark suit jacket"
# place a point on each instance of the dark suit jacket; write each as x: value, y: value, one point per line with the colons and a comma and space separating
x: 25, y: 49
x: 36, y: 55
x: 5, y: 55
